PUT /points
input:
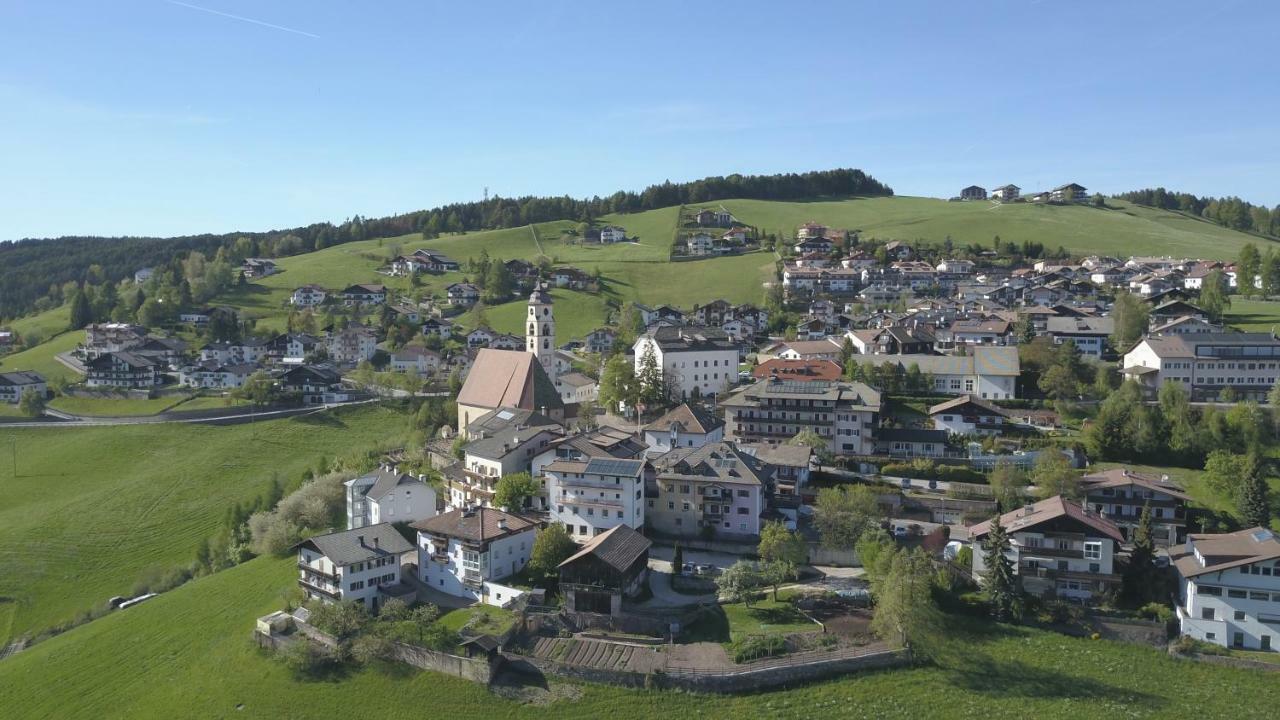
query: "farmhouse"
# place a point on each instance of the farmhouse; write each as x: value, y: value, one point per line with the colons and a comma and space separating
x: 360, y: 565
x: 466, y: 551
x: 463, y: 294
x: 609, y: 568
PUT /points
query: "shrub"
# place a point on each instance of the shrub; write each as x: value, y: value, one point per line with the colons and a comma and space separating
x: 754, y: 647
x: 272, y: 534
x: 370, y: 647
x: 341, y: 620
x: 1156, y: 611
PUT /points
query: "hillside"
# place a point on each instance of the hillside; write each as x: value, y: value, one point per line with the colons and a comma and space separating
x: 93, y: 509
x: 187, y: 653
x: 1122, y: 228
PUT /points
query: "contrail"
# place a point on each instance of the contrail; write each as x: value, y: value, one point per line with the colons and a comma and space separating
x: 243, y: 19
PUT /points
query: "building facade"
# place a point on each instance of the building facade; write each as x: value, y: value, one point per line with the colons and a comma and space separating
x: 591, y: 496
x: 1229, y: 589
x: 845, y: 414
x: 352, y: 565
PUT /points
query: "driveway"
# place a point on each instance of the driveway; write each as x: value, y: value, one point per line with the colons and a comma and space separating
x: 665, y: 596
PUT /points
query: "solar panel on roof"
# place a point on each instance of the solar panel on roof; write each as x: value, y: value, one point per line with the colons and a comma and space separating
x: 1262, y: 536
x: 506, y: 414
x: 606, y: 466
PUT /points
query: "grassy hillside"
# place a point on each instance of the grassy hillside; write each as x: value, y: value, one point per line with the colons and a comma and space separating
x: 41, y: 357
x: 92, y: 509
x: 188, y: 654
x: 1120, y: 229
x: 1253, y: 315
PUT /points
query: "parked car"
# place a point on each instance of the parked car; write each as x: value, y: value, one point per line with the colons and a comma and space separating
x: 708, y: 570
x: 688, y: 569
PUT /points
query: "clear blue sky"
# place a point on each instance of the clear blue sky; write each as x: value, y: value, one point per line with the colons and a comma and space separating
x: 166, y: 117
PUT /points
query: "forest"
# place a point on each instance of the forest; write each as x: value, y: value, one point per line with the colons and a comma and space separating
x: 36, y: 270
x: 1231, y: 212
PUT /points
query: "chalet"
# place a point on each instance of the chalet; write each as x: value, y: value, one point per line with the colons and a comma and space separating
x: 735, y: 236
x: 1070, y: 192
x: 612, y: 234
x: 570, y: 277
x: 481, y: 337
x: 1006, y: 193
x: 968, y: 415
x: 292, y: 348
x: 122, y: 370
x: 314, y: 384
x: 466, y: 552
x: 502, y: 341
x: 360, y: 565
x: 13, y: 385
x: 973, y: 192
x: 898, y: 250
x: 1058, y: 547
x: 610, y: 567
x: 438, y: 262
x: 1120, y: 494
x: 814, y: 245
x: 102, y: 338
x: 437, y: 326
x: 955, y: 267
x: 811, y: 231
x: 258, y: 267
x: 845, y: 414
x: 700, y: 244
x: 715, y: 489
x: 463, y: 294
x: 352, y: 346
x: 1088, y: 334
x: 684, y: 426
x: 249, y: 351
x: 600, y: 341
x: 364, y: 294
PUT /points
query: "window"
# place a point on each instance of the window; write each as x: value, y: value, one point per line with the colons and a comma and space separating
x: 1093, y: 551
x: 742, y: 511
x: 744, y: 493
x: 1237, y: 594
x: 1239, y: 615
x: 1206, y: 613
x: 1209, y: 590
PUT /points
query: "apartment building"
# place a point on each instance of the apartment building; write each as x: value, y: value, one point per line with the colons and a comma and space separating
x: 715, y: 489
x: 1229, y: 589
x: 845, y: 414
x: 466, y: 552
x: 1205, y: 364
x: 591, y: 496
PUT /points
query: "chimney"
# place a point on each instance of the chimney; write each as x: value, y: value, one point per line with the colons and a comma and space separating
x: 502, y: 523
x: 1027, y: 510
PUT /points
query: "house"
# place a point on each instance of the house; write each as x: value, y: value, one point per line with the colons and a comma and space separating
x: 390, y: 496
x: 955, y: 267
x: 714, y: 490
x: 693, y: 361
x: 405, y: 313
x: 248, y: 351
x: 683, y: 426
x: 911, y: 442
x: 315, y: 384
x: 415, y: 360
x: 797, y: 370
x: 437, y: 262
x: 845, y: 414
x: 827, y: 348
x: 612, y: 234
x: 1206, y: 364
x: 968, y: 415
x: 352, y: 346
x: 292, y: 348
x: 360, y: 565
x: 102, y: 338
x: 258, y: 267
x: 1071, y: 192
x: 973, y: 192
x: 121, y: 370
x: 466, y: 552
x: 1185, y: 325
x: 1006, y: 193
x: 700, y: 244
x: 577, y: 389
x: 502, y: 341
x: 308, y: 296
x: 707, y: 217
x: 480, y: 337
x: 142, y: 275
x: 13, y: 385
x: 898, y: 250
x: 811, y: 231
x: 735, y: 236
x: 791, y: 464
x: 600, y: 341
x: 500, y: 443
x: 463, y: 294
x: 570, y: 277
x: 1089, y: 334
x: 215, y: 375
x: 592, y: 496
x: 987, y: 372
x: 507, y: 379
x: 364, y: 294
x: 1120, y: 494
x: 437, y: 326
x: 981, y: 332
x: 1229, y: 589
x: 610, y: 567
x: 1058, y: 547
x: 894, y: 340
x: 819, y: 245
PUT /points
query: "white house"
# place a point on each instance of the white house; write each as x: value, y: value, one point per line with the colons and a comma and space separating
x: 360, y: 565
x: 845, y: 414
x: 308, y: 296
x: 1207, y: 363
x: 352, y: 346
x: 466, y: 552
x: 612, y: 234
x: 989, y: 372
x: 215, y: 375
x: 1229, y: 589
x: 386, y: 495
x: 416, y: 360
x: 591, y: 496
x: 1089, y: 334
x: 14, y: 384
x: 684, y: 426
x: 968, y: 415
x: 692, y: 360
x: 1058, y: 547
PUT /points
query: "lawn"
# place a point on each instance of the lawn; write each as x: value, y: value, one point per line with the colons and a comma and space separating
x: 94, y: 509
x: 114, y: 407
x: 45, y: 324
x: 41, y: 357
x: 1253, y: 315
x: 208, y: 402
x: 188, y: 654
x: 1122, y: 228
x: 577, y: 313
x: 489, y: 620
x: 732, y: 622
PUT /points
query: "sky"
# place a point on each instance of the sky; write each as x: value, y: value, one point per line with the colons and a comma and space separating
x: 160, y: 117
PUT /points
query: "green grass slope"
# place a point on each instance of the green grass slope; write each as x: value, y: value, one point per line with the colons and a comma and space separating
x: 41, y: 358
x: 187, y: 653
x: 92, y: 509
x: 1120, y: 229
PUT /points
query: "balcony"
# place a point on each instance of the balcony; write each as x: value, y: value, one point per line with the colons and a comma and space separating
x: 312, y: 569
x: 593, y: 501
x: 592, y: 483
x: 439, y: 557
x: 331, y: 593
x: 1072, y: 553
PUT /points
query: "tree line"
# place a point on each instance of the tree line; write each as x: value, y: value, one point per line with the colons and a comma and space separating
x: 1229, y: 212
x: 34, y: 266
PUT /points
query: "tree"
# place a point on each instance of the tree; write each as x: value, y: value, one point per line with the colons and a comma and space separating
x: 1059, y: 383
x: 1213, y: 295
x: 905, y: 613
x: 1248, y: 267
x: 259, y: 389
x: 842, y: 514
x: 618, y: 384
x: 652, y: 391
x: 1254, y: 506
x: 999, y: 584
x: 514, y: 490
x: 677, y: 559
x: 1136, y: 584
x: 783, y: 552
x: 811, y: 439
x: 81, y: 311
x: 1130, y: 316
x: 739, y: 582
x: 31, y: 403
x: 1008, y: 486
x: 1053, y: 475
x: 1224, y: 472
x: 875, y: 551
x: 551, y: 546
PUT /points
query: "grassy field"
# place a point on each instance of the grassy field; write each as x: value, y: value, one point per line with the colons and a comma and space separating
x: 577, y: 313
x: 114, y: 407
x: 93, y: 509
x: 1253, y: 315
x: 488, y: 619
x: 45, y: 324
x: 41, y: 357
x: 188, y: 654
x: 1120, y: 229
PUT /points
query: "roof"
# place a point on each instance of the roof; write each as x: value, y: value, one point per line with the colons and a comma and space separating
x: 1046, y: 510
x: 1122, y: 477
x: 782, y: 455
x: 1227, y: 551
x: 798, y: 369
x: 714, y: 462
x: 504, y: 429
x: 1080, y: 325
x: 385, y: 480
x: 911, y: 435
x: 688, y: 419
x: 856, y: 394
x: 618, y: 547
x: 679, y: 339
x: 1001, y: 360
x: 479, y: 525
x: 963, y: 400
x: 813, y: 347
x: 508, y: 378
x: 21, y: 377
x: 353, y: 546
x: 128, y: 358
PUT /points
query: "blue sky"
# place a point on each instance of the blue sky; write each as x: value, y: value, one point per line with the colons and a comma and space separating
x: 161, y: 117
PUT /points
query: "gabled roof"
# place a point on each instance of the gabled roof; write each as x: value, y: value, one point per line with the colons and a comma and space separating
x: 1227, y: 551
x: 361, y: 544
x: 21, y: 377
x: 508, y: 378
x: 1123, y: 477
x: 618, y: 547
x: 690, y: 419
x: 1050, y: 509
x: 963, y: 400
x: 385, y: 480
x: 479, y: 525
x: 715, y: 462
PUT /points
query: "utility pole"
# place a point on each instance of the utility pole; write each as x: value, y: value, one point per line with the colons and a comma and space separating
x: 13, y: 444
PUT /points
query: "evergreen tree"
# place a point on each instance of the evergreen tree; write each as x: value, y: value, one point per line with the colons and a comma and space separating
x: 652, y: 391
x: 1213, y: 295
x: 1254, y: 505
x: 81, y: 311
x: 1001, y: 587
x: 1136, y: 585
x: 1248, y: 266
